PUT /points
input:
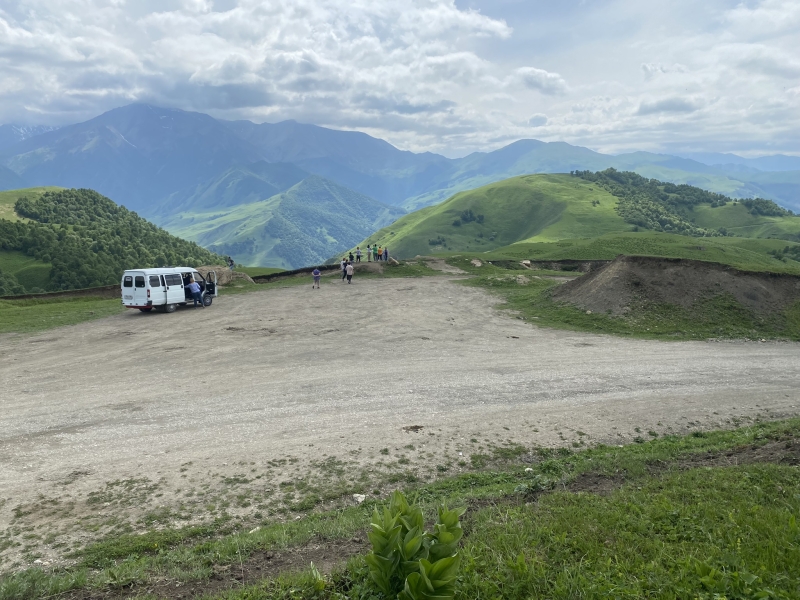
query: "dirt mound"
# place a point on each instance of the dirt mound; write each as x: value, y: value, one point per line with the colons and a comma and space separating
x: 636, y: 279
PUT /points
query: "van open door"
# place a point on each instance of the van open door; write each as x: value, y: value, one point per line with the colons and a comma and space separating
x: 211, y: 283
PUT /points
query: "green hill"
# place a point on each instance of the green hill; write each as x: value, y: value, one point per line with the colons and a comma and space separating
x: 548, y: 208
x: 71, y: 239
x: 311, y: 221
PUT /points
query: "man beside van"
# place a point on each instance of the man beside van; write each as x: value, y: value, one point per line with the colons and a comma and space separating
x: 194, y: 289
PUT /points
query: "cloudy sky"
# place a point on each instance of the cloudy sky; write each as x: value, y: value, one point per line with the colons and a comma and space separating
x: 441, y: 75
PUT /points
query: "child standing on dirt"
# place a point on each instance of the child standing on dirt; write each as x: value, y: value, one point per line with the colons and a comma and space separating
x: 358, y: 254
x: 369, y: 253
x: 316, y: 274
x: 350, y: 269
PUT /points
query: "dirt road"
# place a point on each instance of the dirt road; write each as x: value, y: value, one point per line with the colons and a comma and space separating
x: 304, y: 373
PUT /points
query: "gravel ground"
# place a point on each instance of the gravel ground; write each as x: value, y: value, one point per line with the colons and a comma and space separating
x: 308, y: 373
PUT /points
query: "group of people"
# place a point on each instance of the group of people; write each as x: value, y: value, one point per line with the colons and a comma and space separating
x: 348, y: 263
x: 375, y: 253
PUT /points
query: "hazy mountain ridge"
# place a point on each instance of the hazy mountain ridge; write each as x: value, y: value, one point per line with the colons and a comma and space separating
x: 161, y: 162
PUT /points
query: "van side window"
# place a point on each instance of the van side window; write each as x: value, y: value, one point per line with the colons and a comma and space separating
x: 127, y: 281
x: 154, y: 281
x: 173, y: 279
x: 140, y: 281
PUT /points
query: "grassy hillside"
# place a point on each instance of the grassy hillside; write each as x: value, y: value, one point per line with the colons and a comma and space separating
x: 30, y: 273
x: 307, y: 224
x: 742, y: 253
x: 548, y: 208
x: 545, y: 207
x: 10, y: 197
x: 736, y: 218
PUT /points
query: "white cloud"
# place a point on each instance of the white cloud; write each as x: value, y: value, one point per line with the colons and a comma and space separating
x: 424, y: 74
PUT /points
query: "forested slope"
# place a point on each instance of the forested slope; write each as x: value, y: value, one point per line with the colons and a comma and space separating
x: 89, y: 240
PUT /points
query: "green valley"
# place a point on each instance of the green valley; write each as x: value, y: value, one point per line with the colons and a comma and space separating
x: 305, y: 224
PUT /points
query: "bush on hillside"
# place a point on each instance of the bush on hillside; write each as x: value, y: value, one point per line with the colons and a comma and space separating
x: 9, y: 286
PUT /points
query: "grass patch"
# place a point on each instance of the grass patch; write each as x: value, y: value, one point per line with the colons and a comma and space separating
x: 28, y: 316
x: 681, y: 533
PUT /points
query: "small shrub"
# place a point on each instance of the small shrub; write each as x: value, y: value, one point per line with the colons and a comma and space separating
x: 408, y: 562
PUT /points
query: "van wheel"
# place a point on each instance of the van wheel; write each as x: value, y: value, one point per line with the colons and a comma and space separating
x: 170, y: 308
x: 207, y: 300
x: 148, y: 309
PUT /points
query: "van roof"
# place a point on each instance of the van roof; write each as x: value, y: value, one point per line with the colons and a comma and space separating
x: 160, y: 270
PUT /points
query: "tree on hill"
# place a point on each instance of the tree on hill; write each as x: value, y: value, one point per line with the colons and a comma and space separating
x: 89, y: 240
x: 661, y: 206
x: 9, y: 285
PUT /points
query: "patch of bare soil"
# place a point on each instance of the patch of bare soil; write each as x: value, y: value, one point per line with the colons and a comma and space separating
x: 258, y: 566
x: 634, y: 279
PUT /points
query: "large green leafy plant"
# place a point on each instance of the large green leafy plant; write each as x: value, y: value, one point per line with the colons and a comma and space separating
x: 408, y: 562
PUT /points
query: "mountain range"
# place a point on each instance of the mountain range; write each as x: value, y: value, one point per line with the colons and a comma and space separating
x: 179, y: 168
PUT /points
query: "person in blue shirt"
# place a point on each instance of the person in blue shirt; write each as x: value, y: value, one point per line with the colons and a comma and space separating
x: 197, y: 295
x: 316, y: 273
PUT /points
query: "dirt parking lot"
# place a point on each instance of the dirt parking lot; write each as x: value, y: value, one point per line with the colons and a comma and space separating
x: 307, y: 374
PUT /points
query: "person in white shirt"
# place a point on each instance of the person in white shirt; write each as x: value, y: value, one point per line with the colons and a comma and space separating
x: 349, y: 270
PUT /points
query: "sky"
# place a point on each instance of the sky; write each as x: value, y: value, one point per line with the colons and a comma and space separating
x: 447, y: 76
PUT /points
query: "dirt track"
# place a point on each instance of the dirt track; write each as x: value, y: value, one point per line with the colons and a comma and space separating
x: 302, y: 373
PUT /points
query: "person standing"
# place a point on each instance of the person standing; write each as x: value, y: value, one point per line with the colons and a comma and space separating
x: 358, y: 254
x: 231, y: 263
x: 385, y: 254
x: 344, y: 268
x: 369, y: 253
x: 197, y: 295
x: 375, y: 253
x: 380, y: 253
x: 351, y: 258
x: 316, y: 274
x: 349, y: 270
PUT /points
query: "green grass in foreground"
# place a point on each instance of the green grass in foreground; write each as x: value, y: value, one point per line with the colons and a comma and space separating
x: 28, y: 316
x: 681, y: 533
x: 719, y: 317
